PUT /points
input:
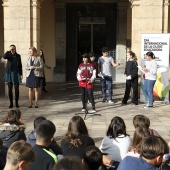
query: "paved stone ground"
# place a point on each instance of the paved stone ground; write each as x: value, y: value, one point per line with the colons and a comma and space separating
x: 63, y: 101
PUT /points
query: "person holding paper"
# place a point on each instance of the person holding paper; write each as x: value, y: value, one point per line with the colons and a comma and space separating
x: 131, y: 75
x: 150, y: 70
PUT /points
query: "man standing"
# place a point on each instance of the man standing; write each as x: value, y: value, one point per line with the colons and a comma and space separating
x: 104, y: 69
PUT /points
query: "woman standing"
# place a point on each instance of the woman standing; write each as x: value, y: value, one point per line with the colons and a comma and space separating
x: 13, y: 73
x: 150, y: 77
x: 34, y: 72
x: 131, y: 73
x: 43, y: 80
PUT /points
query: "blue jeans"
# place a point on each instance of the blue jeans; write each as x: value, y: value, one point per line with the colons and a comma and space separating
x: 148, y: 87
x: 107, y: 79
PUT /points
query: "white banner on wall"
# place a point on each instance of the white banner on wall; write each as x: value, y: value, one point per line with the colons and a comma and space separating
x: 159, y: 44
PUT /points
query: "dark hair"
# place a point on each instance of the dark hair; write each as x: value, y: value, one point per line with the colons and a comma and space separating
x: 42, y: 56
x: 152, y: 147
x: 141, y: 120
x: 86, y: 55
x: 38, y: 120
x: 131, y: 53
x: 69, y: 163
x: 150, y: 54
x: 76, y: 129
x: 117, y: 126
x: 45, y: 131
x: 12, y: 45
x: 93, y: 157
x: 91, y: 54
x: 12, y: 118
x: 105, y: 49
x: 139, y: 134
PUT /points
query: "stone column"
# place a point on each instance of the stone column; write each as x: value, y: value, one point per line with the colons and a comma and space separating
x: 136, y: 34
x: 60, y: 16
x: 21, y: 27
x: 121, y: 38
x: 35, y: 23
x: 147, y: 17
x: 165, y: 16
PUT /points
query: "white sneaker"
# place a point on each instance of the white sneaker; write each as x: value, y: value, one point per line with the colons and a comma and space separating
x: 147, y: 107
x: 111, y: 101
x: 89, y: 102
x: 93, y: 111
x: 83, y: 110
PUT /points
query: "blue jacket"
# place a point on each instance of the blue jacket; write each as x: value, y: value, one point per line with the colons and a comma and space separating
x: 134, y: 163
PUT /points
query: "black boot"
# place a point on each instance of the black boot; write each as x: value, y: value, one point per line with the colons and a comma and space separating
x: 16, y: 104
x: 44, y: 90
x: 11, y: 104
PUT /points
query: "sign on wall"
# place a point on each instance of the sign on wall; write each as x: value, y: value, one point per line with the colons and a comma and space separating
x: 159, y: 44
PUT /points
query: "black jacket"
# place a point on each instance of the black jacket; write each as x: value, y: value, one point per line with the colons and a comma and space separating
x: 131, y: 69
x: 8, y: 55
x: 11, y: 133
x: 44, y: 161
x: 3, y: 153
x: 53, y: 146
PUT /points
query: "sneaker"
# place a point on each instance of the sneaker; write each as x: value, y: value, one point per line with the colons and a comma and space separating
x: 104, y: 100
x: 88, y: 102
x: 111, y: 101
x: 83, y: 110
x: 147, y: 107
x: 93, y: 111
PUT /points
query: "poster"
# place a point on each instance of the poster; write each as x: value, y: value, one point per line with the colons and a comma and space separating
x: 159, y: 44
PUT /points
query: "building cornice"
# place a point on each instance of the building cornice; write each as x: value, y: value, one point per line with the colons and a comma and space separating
x: 5, y: 3
x: 134, y: 3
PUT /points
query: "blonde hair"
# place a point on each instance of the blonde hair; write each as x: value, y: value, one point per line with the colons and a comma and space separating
x: 20, y: 151
x: 33, y: 49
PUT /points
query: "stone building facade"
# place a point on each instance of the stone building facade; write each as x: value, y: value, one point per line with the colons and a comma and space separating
x: 65, y: 29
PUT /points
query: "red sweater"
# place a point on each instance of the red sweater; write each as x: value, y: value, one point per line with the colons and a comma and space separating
x: 86, y: 74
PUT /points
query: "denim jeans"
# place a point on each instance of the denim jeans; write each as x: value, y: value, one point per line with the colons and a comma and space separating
x: 107, y: 79
x: 148, y: 87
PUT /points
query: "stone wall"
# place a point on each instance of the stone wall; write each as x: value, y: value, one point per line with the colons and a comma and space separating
x: 47, y: 36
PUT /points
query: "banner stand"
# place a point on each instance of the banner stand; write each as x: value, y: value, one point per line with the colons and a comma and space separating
x: 159, y: 44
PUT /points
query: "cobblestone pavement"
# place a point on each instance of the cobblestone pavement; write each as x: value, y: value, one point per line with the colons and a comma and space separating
x: 63, y: 101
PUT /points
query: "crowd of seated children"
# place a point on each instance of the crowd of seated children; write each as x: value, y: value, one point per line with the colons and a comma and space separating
x: 146, y: 148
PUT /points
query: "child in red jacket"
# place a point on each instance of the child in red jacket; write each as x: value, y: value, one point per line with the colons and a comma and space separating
x: 86, y: 74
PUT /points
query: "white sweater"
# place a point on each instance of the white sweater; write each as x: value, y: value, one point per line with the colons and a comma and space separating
x: 117, y: 148
x: 152, y: 66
